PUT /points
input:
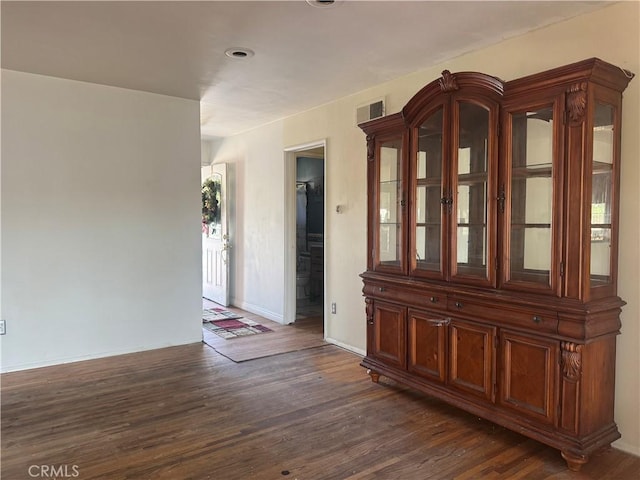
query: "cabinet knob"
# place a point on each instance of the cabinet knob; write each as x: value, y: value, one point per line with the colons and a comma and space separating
x: 381, y: 289
x: 433, y: 299
x: 537, y: 319
x: 459, y: 305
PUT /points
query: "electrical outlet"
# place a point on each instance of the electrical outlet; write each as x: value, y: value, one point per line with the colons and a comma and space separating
x: 333, y: 308
x: 3, y: 327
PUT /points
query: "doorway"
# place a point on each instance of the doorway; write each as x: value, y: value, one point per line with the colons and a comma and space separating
x: 215, y: 236
x: 305, y: 265
x: 309, y: 233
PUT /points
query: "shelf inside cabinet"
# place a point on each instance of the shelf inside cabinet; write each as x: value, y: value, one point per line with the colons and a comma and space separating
x: 601, y: 167
x: 530, y: 225
x: 472, y: 178
x: 429, y: 181
x: 530, y: 171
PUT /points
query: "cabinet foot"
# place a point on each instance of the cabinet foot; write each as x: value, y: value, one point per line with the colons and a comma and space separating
x: 375, y: 376
x: 574, y: 462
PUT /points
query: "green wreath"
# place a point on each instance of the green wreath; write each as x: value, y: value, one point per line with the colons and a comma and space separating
x: 210, y: 202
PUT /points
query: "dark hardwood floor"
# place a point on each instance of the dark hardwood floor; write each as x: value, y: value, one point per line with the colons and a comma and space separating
x: 189, y: 413
x: 306, y: 332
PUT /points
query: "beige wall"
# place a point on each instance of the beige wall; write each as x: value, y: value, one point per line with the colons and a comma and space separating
x: 610, y: 33
x: 255, y: 180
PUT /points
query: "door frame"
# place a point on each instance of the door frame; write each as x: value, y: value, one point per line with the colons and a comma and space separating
x: 290, y: 153
x: 223, y: 297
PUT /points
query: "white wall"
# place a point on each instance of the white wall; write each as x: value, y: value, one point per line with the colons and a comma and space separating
x: 611, y: 34
x: 100, y: 221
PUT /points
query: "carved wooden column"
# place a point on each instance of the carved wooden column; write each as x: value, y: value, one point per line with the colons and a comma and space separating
x: 576, y: 102
x: 371, y: 147
x: 375, y: 376
x: 571, y: 373
x: 571, y: 366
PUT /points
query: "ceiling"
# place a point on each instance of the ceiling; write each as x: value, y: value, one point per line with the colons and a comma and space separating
x: 305, y: 55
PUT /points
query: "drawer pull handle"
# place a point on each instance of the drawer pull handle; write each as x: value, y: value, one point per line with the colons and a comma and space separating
x: 537, y: 319
x: 439, y: 322
x: 382, y: 289
x: 459, y: 305
x: 433, y: 299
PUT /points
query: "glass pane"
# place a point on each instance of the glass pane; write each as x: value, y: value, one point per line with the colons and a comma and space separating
x: 531, y: 196
x: 428, y: 193
x: 463, y: 219
x: 421, y: 202
x: 390, y: 215
x: 601, y: 194
x: 471, y: 195
x: 388, y: 202
x: 388, y: 244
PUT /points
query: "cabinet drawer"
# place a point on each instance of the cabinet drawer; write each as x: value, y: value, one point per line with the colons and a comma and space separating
x: 532, y: 319
x: 418, y: 297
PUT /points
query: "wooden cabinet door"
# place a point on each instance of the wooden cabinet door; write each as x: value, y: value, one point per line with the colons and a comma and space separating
x: 387, y: 215
x: 427, y: 213
x: 427, y: 340
x: 471, y: 358
x: 389, y: 334
x: 530, y: 197
x: 530, y: 369
x: 473, y: 177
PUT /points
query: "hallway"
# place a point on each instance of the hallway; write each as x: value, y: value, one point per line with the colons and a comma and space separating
x: 306, y: 332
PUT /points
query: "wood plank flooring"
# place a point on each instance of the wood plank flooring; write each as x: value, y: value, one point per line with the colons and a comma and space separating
x: 304, y: 333
x: 189, y: 413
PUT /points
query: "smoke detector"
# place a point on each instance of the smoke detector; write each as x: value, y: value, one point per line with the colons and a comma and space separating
x: 239, y: 52
x: 323, y: 3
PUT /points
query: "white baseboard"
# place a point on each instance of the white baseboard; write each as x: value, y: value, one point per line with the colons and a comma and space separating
x: 249, y: 307
x: 94, y: 356
x: 626, y: 447
x: 348, y: 347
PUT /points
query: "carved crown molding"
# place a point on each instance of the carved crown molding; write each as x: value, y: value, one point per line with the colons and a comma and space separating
x: 448, y: 82
x: 577, y: 101
x: 571, y: 361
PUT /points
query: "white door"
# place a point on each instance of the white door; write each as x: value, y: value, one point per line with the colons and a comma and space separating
x: 215, y: 241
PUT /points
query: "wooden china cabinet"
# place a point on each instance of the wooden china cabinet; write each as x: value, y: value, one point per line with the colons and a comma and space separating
x: 493, y: 246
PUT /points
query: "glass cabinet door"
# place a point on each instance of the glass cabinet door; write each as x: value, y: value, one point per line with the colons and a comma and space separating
x: 530, y: 198
x: 428, y: 168
x: 390, y: 205
x: 470, y: 183
x: 602, y: 183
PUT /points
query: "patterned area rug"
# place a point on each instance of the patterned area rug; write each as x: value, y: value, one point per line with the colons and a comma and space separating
x: 218, y: 313
x: 232, y: 328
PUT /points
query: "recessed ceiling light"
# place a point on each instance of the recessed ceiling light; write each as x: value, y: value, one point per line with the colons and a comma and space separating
x: 239, y: 53
x: 323, y: 3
